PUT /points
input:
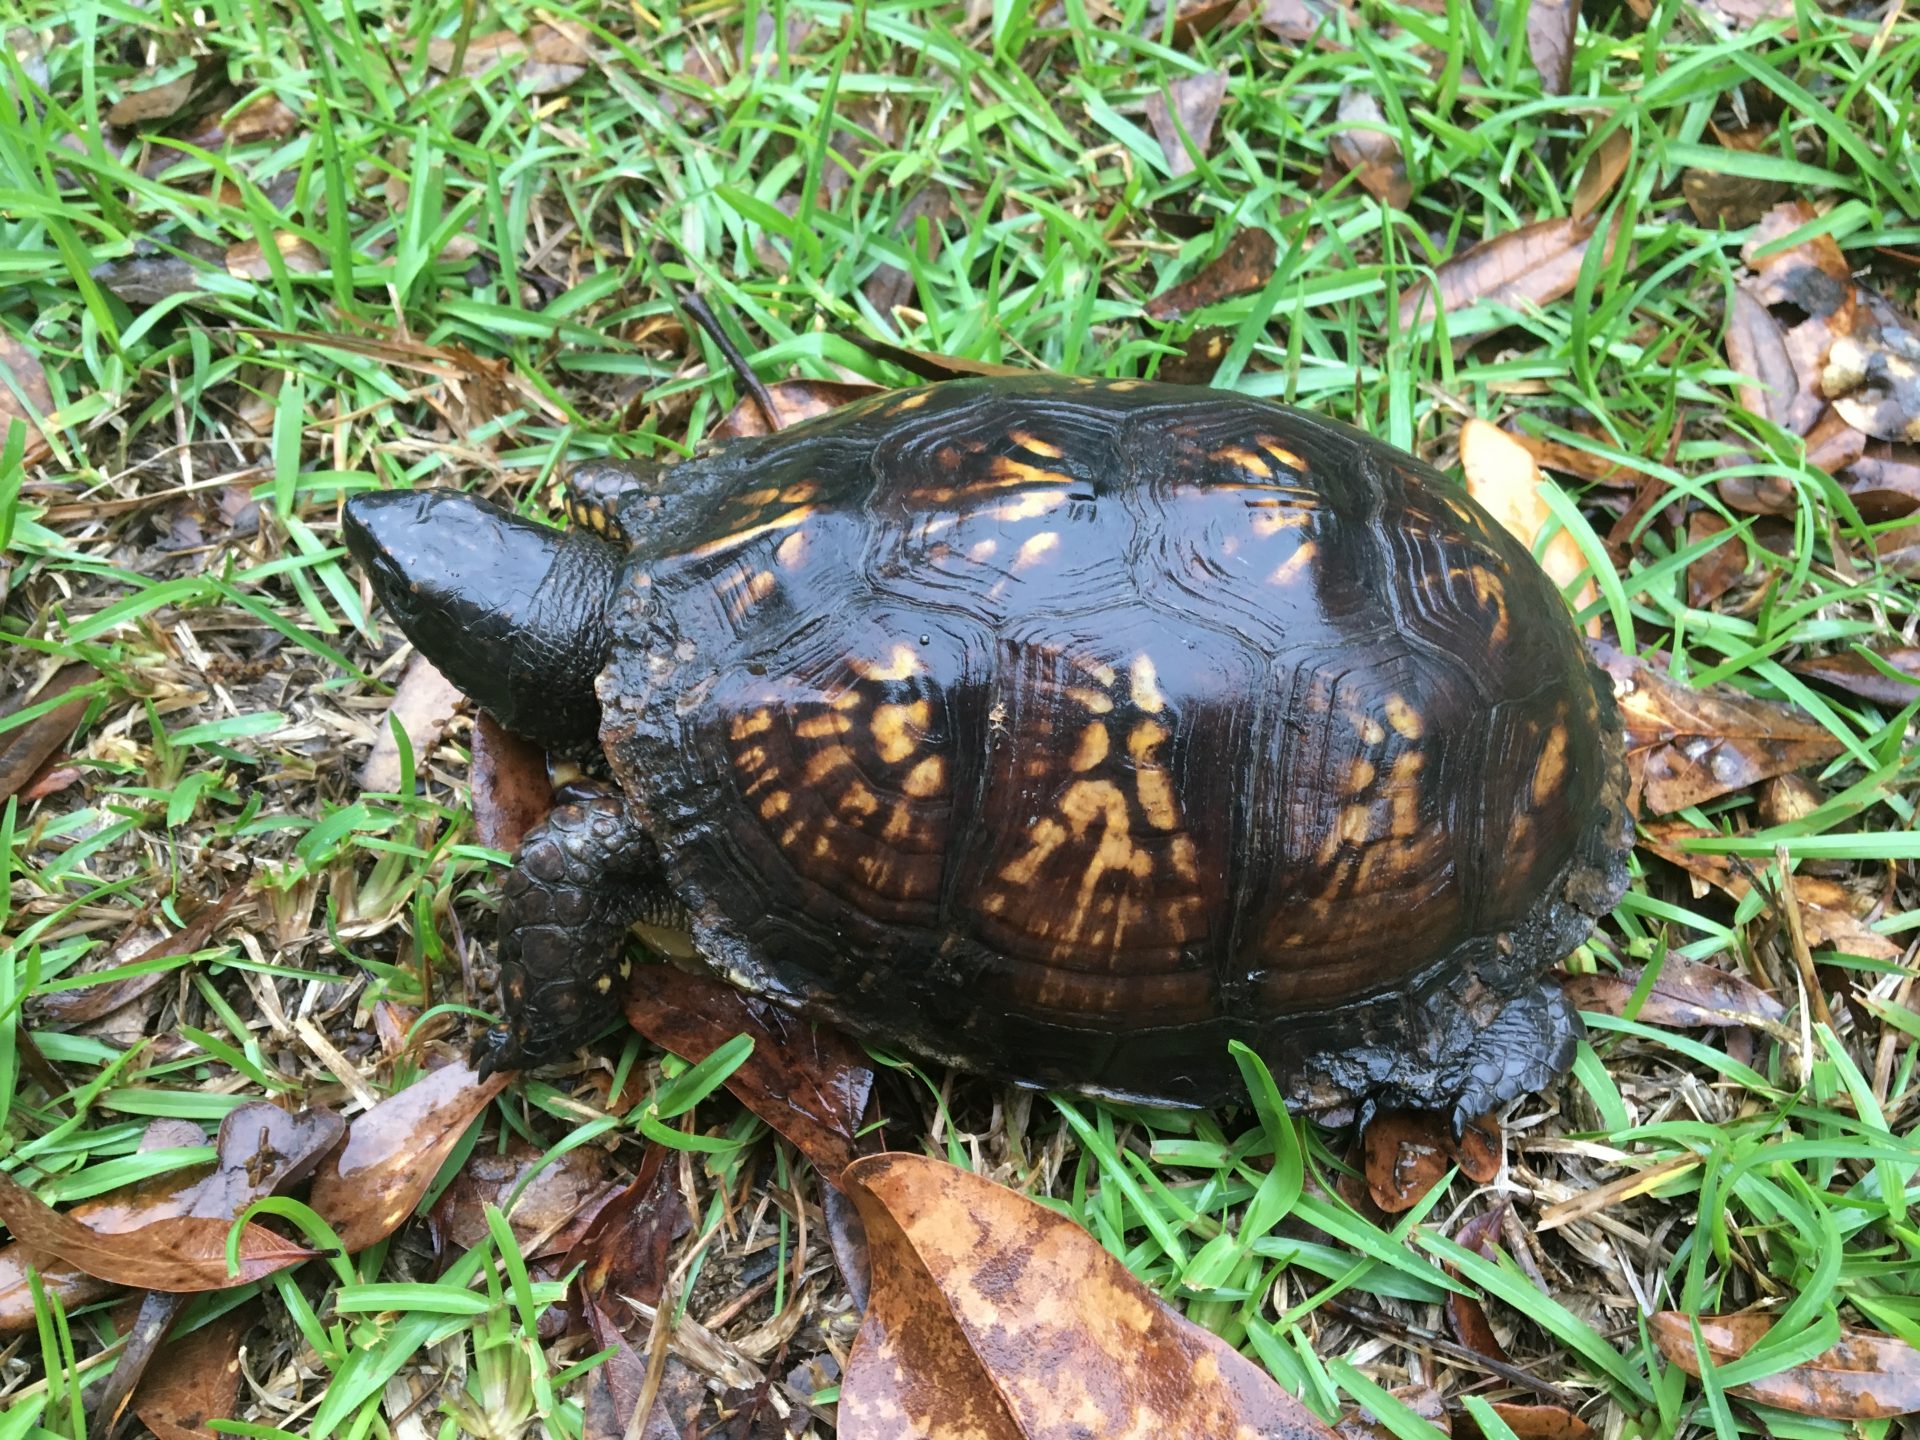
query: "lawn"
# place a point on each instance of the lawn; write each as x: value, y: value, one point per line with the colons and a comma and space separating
x: 255, y: 258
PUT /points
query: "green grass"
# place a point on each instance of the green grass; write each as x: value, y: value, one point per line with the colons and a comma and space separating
x: 533, y: 242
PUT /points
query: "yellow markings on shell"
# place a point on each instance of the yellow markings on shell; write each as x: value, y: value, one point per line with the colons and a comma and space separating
x: 604, y: 984
x: 1404, y: 718
x: 1030, y: 506
x: 929, y: 777
x: 800, y: 492
x: 1145, y: 680
x: 1122, y: 385
x: 1359, y: 777
x: 822, y: 727
x: 1271, y: 517
x: 1036, y: 548
x: 1007, y: 471
x: 1244, y: 458
x: 791, y: 553
x: 1096, y: 702
x: 857, y: 799
x: 754, y: 499
x: 1551, y: 766
x: 1489, y: 591
x: 833, y: 758
x: 1369, y: 729
x: 894, y: 727
x: 776, y: 805
x: 982, y: 551
x: 1042, y: 840
x: 1150, y: 777
x: 1027, y: 440
x: 751, y: 758
x: 749, y: 725
x: 1089, y: 800
x: 1290, y: 568
x: 1185, y: 861
x: 1356, y: 823
x: 899, y: 824
x: 724, y: 543
x: 1092, y: 748
x: 848, y: 700
x: 1289, y: 458
x: 900, y: 664
x: 910, y: 402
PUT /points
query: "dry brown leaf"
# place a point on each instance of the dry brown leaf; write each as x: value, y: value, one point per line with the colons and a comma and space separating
x: 90, y: 1002
x: 182, y: 1255
x: 1537, y: 1422
x: 890, y: 286
x: 392, y: 1152
x: 808, y: 1082
x: 556, y: 1204
x: 1720, y: 569
x: 262, y: 118
x: 1757, y: 349
x: 1884, y: 483
x: 1898, y: 550
x: 1550, y: 29
x: 25, y: 395
x: 1199, y: 358
x: 1853, y: 672
x: 622, y: 1255
x: 1465, y: 1314
x: 1299, y: 21
x: 1684, y: 995
x: 1568, y: 459
x: 248, y: 260
x: 796, y: 400
x: 1195, y: 106
x: 1867, y: 1376
x: 1735, y: 201
x: 1243, y: 267
x: 1533, y: 265
x: 1192, y: 21
x: 1833, y: 444
x: 511, y: 791
x: 1745, y: 14
x: 156, y: 102
x: 1827, y: 908
x: 25, y: 748
x: 544, y: 60
x: 1872, y: 373
x: 1408, y: 1152
x: 1367, y: 146
x: 929, y: 366
x: 1502, y: 476
x: 994, y: 1318
x: 197, y: 1379
x: 1423, y: 1400
x: 1602, y: 172
x: 423, y: 703
x: 1686, y: 746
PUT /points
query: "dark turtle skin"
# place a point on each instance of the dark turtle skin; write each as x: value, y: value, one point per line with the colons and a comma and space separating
x: 1063, y: 731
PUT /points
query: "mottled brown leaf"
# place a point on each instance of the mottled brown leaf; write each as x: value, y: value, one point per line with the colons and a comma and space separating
x: 392, y: 1152
x: 615, y: 1389
x: 1465, y: 1314
x: 1531, y: 1422
x: 622, y: 1254
x: 848, y: 1239
x: 156, y: 102
x: 994, y: 1318
x: 1735, y: 201
x: 1408, y: 1152
x: 1570, y: 460
x: 557, y: 1203
x: 542, y: 61
x: 1757, y: 349
x: 1199, y: 358
x: 186, y: 1255
x: 511, y: 791
x: 264, y: 117
x: 147, y: 279
x: 1686, y: 746
x: 1721, y: 568
x: 1533, y: 265
x: 1833, y: 444
x: 1191, y: 21
x: 78, y: 1007
x: 1195, y: 106
x: 248, y: 260
x: 1885, y: 481
x: 1745, y: 14
x: 1423, y: 1400
x: 890, y: 286
x: 196, y: 1380
x: 1501, y: 474
x: 1872, y: 373
x: 1684, y: 995
x: 1602, y: 171
x: 796, y: 400
x: 1299, y: 21
x: 24, y: 395
x: 423, y: 703
x: 808, y: 1082
x: 26, y: 747
x: 1867, y: 1376
x: 1853, y: 672
x: 1550, y: 29
x: 1367, y: 146
x: 1244, y: 266
x: 929, y: 366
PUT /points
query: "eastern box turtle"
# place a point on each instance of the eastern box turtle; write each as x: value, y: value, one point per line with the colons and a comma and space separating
x: 1060, y: 730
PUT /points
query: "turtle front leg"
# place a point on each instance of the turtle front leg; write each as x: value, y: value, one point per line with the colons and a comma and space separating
x: 581, y: 878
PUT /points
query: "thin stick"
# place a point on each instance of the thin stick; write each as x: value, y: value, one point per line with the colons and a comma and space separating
x: 1512, y: 1374
x: 1797, y: 939
x: 691, y: 302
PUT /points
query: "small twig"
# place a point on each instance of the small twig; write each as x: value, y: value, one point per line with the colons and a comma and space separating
x: 1797, y: 940
x: 1512, y: 1374
x: 691, y: 302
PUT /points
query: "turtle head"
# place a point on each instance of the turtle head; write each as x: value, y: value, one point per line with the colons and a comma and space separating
x: 513, y: 613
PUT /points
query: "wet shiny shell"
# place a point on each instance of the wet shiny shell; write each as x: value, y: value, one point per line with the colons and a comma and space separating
x: 1069, y: 730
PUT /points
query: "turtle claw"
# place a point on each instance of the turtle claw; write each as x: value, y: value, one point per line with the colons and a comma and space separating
x: 494, y: 1051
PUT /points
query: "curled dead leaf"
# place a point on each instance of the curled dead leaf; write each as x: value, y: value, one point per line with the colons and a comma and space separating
x: 1550, y: 30
x: 1684, y: 995
x: 1534, y: 265
x: 423, y: 703
x: 1368, y: 147
x: 997, y: 1318
x: 90, y: 1002
x: 1865, y: 672
x: 1188, y: 108
x: 197, y: 1379
x: 511, y: 792
x: 1872, y: 374
x: 929, y: 366
x: 1867, y: 1376
x: 1602, y: 172
x: 547, y: 58
x: 1408, y: 1152
x: 1243, y: 267
x: 248, y: 260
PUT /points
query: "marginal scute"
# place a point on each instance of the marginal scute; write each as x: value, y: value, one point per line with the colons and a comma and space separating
x: 1069, y: 731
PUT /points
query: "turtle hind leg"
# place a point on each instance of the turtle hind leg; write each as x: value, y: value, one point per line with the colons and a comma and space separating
x: 581, y: 878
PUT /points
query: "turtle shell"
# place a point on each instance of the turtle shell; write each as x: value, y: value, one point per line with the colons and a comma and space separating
x: 1067, y: 731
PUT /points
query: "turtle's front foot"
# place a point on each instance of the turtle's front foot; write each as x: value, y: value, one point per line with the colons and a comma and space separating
x: 582, y: 876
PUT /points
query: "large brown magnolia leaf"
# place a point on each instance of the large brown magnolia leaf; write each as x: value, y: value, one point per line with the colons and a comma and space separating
x: 994, y: 1318
x: 1757, y: 348
x: 1687, y: 746
x: 90, y: 1002
x: 371, y: 1184
x: 1866, y: 1376
x: 197, y: 1379
x: 1243, y: 267
x: 808, y: 1082
x: 1533, y: 265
